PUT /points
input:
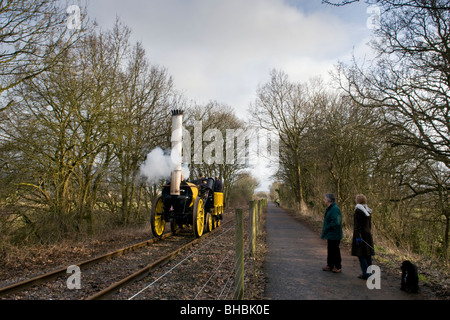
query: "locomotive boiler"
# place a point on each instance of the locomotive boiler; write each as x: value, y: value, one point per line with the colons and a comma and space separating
x: 185, y: 204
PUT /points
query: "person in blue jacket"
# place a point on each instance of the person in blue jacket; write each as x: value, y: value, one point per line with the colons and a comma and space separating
x: 332, y: 232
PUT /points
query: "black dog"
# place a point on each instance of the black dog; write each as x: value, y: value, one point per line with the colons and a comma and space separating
x: 410, y: 277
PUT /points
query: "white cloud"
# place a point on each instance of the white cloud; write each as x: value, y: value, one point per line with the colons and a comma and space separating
x: 222, y: 49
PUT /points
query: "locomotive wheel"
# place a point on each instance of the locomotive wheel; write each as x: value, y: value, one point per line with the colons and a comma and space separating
x: 198, y: 221
x: 216, y: 222
x: 157, y: 221
x: 218, y: 217
x: 209, y: 225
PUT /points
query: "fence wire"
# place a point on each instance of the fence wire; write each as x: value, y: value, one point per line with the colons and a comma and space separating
x: 227, y: 291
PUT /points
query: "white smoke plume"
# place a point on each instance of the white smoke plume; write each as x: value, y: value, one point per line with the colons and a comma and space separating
x: 159, y: 165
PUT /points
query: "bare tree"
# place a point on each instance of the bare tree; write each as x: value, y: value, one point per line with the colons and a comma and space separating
x: 286, y: 108
x: 410, y: 80
x: 242, y: 189
x: 215, y: 119
x: 393, y: 3
x: 409, y: 84
x: 60, y: 131
x: 141, y: 124
x: 34, y: 35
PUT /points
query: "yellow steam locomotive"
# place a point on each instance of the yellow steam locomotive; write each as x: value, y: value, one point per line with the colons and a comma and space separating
x: 183, y: 203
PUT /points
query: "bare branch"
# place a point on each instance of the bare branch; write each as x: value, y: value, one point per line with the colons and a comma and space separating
x: 34, y: 35
x: 339, y: 4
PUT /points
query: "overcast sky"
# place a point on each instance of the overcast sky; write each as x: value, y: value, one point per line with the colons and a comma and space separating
x: 223, y: 49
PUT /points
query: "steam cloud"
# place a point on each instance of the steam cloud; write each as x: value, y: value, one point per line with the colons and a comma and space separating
x: 159, y: 166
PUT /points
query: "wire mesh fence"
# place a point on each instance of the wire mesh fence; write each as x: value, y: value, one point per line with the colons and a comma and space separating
x: 217, y: 269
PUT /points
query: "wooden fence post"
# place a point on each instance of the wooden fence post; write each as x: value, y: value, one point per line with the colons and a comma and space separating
x: 252, y: 229
x: 239, y: 264
x: 258, y: 216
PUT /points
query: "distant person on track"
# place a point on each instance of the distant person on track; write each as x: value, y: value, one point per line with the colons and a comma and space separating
x: 362, y: 242
x: 277, y: 201
x: 332, y: 232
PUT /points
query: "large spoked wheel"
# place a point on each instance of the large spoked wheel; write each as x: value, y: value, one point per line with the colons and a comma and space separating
x: 198, y: 221
x: 209, y: 226
x: 157, y: 221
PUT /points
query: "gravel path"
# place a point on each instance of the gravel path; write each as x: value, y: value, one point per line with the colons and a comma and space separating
x: 294, y: 262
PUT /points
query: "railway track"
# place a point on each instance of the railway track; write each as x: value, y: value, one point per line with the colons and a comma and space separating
x: 102, y: 276
x: 107, y: 292
x: 205, y: 271
x: 22, y: 285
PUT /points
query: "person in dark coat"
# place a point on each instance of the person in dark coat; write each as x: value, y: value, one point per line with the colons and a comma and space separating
x: 362, y: 242
x: 332, y: 232
x: 218, y: 186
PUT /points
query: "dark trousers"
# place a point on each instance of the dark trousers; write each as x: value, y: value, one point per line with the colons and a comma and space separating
x: 334, y: 254
x: 365, y: 262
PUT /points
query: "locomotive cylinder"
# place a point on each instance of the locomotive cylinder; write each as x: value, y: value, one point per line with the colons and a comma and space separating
x: 176, y: 154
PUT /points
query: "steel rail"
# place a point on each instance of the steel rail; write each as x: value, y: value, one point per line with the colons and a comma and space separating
x: 140, y: 273
x: 147, y: 269
x: 61, y: 271
x: 19, y: 286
